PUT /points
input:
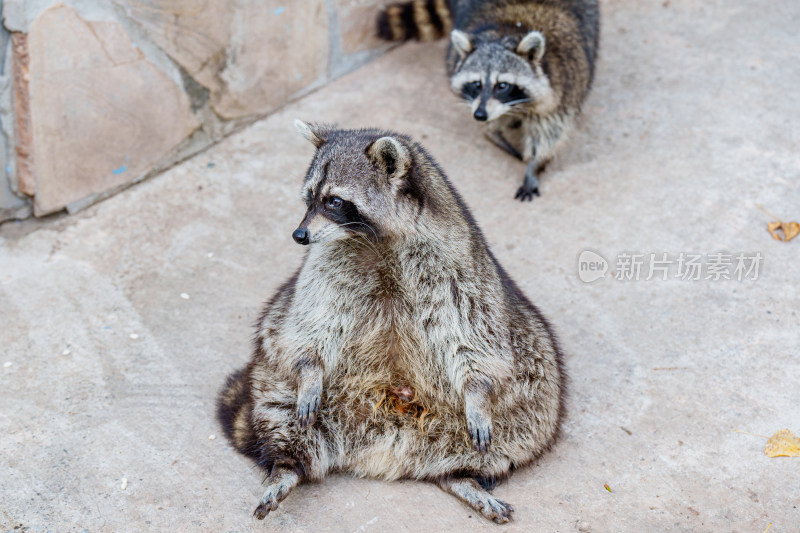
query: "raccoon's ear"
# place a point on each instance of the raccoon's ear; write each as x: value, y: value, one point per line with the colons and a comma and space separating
x: 390, y: 155
x: 461, y: 42
x: 532, y: 45
x: 312, y: 132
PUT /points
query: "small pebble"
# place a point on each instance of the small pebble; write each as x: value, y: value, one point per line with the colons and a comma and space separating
x: 7, y: 364
x: 66, y: 351
x: 133, y: 336
x: 185, y: 296
x: 212, y: 437
x: 210, y: 254
x: 124, y: 484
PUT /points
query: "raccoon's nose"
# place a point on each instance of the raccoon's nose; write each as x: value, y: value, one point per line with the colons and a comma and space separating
x: 480, y: 114
x: 300, y: 236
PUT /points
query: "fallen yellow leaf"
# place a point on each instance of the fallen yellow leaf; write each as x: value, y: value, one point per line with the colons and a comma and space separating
x: 772, y: 226
x: 783, y: 443
x: 790, y: 229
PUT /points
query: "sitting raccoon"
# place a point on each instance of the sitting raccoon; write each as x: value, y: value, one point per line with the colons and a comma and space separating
x: 524, y: 66
x: 400, y: 349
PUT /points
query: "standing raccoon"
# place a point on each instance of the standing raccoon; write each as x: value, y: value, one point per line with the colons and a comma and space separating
x: 525, y: 66
x: 400, y: 349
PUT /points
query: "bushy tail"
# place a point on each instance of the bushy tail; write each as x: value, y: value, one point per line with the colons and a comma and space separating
x: 234, y: 406
x: 425, y: 20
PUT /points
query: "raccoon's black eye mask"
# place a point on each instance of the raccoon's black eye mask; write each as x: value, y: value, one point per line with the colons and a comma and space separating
x: 510, y: 94
x: 346, y: 214
x: 471, y: 90
x: 507, y: 93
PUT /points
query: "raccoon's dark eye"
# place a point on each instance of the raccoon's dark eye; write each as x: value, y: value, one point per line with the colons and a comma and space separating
x: 471, y: 89
x: 511, y: 94
x: 335, y: 203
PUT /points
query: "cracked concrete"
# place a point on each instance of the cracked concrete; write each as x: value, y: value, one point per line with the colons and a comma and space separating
x: 113, y: 373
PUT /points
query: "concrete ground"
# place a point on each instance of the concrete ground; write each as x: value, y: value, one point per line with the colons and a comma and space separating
x: 111, y: 372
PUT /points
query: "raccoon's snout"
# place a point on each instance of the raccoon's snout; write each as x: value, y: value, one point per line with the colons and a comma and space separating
x: 480, y: 114
x: 300, y: 236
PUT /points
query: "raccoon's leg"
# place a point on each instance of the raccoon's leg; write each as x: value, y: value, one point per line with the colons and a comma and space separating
x: 469, y: 491
x: 479, y: 421
x: 478, y: 379
x: 288, y: 451
x: 286, y: 446
x: 530, y: 183
x: 541, y: 141
x: 497, y: 138
x: 309, y: 391
x: 279, y: 483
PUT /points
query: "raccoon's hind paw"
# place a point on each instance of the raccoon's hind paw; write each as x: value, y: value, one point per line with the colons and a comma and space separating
x: 308, y: 403
x: 264, y: 508
x: 527, y: 193
x: 471, y: 493
x: 281, y: 482
x: 494, y: 509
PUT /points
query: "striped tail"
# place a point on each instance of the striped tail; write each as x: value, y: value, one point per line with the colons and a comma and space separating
x: 425, y: 20
x: 234, y: 405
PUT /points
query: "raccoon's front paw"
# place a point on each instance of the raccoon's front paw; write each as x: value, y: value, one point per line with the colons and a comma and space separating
x: 530, y: 183
x: 308, y: 403
x: 480, y: 429
x: 526, y: 193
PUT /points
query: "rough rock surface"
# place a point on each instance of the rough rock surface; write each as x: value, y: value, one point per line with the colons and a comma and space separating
x: 275, y: 51
x: 89, y: 85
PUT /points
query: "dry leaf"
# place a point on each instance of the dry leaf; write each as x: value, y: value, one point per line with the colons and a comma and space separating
x: 772, y: 226
x: 790, y: 229
x: 783, y: 443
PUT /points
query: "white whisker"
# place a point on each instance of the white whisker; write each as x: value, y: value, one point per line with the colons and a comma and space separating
x: 520, y: 101
x: 366, y: 241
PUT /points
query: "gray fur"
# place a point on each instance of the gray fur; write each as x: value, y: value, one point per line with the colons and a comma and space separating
x: 400, y: 348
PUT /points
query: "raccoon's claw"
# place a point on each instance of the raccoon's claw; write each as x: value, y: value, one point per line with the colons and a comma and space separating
x: 530, y: 183
x: 264, y: 508
x: 307, y: 408
x: 525, y: 193
x: 481, y: 432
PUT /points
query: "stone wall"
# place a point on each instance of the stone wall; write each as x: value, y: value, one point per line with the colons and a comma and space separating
x: 98, y: 94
